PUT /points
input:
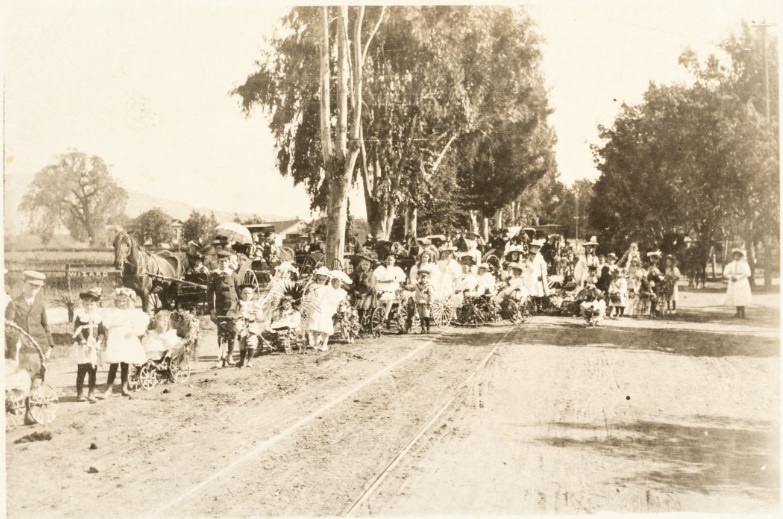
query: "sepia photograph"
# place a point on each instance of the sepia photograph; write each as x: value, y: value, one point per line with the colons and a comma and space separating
x: 401, y: 259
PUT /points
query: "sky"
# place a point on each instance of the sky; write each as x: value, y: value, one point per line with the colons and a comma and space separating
x: 145, y: 85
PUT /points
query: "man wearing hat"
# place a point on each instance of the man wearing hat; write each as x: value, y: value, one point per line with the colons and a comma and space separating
x: 538, y: 284
x: 737, y: 273
x: 222, y: 302
x: 28, y: 311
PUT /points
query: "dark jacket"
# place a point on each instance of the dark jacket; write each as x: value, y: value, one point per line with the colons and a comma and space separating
x: 31, y: 319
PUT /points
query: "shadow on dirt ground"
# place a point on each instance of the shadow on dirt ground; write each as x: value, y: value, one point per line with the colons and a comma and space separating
x: 677, y: 342
x: 695, y: 458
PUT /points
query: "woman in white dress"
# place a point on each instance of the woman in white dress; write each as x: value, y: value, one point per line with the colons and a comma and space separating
x: 737, y: 274
x: 124, y: 325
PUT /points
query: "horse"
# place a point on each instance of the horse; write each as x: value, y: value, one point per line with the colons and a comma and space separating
x: 147, y: 273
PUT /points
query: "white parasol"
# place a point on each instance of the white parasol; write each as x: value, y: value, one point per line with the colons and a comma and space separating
x: 234, y: 232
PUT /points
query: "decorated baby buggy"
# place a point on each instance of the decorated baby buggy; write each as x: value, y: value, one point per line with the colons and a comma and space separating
x: 27, y: 397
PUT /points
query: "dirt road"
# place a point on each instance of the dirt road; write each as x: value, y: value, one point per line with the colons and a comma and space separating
x: 553, y: 418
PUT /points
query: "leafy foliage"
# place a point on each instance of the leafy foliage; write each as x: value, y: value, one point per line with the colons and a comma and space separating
x: 199, y: 227
x: 153, y: 226
x: 699, y: 158
x: 76, y: 191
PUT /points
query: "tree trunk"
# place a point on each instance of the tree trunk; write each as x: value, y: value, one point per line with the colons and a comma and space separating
x: 485, y: 229
x: 474, y: 226
x: 751, y: 257
x: 336, y: 219
x: 414, y: 222
x: 499, y: 218
x: 768, y: 263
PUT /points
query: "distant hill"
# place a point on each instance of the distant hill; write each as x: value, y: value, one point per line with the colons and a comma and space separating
x: 15, y: 186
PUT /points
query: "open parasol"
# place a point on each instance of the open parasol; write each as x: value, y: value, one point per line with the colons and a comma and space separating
x: 234, y: 232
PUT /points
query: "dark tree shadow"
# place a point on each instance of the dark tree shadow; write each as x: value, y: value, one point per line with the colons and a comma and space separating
x: 677, y: 342
x: 742, y: 457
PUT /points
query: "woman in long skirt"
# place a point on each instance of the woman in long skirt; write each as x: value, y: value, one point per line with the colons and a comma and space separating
x: 124, y: 325
x: 737, y: 274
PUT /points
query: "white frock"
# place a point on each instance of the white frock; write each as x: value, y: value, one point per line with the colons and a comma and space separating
x: 738, y: 292
x: 123, y: 329
x: 328, y: 299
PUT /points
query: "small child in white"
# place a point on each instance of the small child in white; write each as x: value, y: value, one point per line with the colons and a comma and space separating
x: 161, y: 338
x: 618, y: 294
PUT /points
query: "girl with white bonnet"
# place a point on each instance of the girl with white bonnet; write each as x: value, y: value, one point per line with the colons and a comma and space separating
x: 124, y: 325
x: 737, y: 274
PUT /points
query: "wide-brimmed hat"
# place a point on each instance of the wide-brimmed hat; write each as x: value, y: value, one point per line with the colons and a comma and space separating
x: 592, y: 242
x: 92, y: 294
x: 654, y: 254
x: 484, y: 266
x: 447, y: 248
x: 612, y: 255
x: 246, y: 285
x: 515, y: 248
x: 467, y: 259
x: 33, y: 277
x: 342, y: 276
x: 321, y: 271
x: 515, y: 266
x: 223, y: 254
x: 738, y: 250
x: 538, y: 243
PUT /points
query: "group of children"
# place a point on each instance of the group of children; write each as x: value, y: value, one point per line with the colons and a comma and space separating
x: 120, y: 337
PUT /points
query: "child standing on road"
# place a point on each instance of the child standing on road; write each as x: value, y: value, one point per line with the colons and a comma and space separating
x: 248, y: 327
x: 423, y: 296
x: 618, y: 294
x: 88, y: 335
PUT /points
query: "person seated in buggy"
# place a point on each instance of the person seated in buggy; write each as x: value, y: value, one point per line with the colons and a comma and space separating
x: 248, y: 327
x: 514, y: 254
x: 160, y: 339
x: 361, y: 277
x: 485, y: 281
x: 592, y: 306
x: 196, y: 266
x: 466, y: 283
x: 516, y: 286
x: 285, y: 323
x: 387, y: 281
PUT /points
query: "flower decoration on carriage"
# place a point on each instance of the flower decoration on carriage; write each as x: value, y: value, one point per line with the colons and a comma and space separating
x: 289, y: 290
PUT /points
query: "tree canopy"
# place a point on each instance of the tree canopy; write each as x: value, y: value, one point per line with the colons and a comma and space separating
x: 76, y: 191
x: 700, y: 158
x: 435, y: 80
x: 153, y: 226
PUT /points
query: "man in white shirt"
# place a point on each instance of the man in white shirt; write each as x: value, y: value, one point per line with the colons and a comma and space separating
x: 386, y: 280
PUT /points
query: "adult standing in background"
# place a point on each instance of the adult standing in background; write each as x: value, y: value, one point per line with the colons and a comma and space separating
x: 737, y: 274
x: 28, y: 311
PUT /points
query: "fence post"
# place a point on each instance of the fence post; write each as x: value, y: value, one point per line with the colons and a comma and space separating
x: 68, y: 277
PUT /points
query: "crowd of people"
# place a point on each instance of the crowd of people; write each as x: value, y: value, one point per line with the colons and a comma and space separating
x: 603, y: 287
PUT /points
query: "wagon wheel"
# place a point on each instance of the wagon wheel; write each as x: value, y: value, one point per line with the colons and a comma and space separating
x: 42, y: 400
x: 376, y: 321
x: 285, y: 340
x: 180, y: 368
x: 25, y: 343
x: 442, y: 312
x: 15, y: 404
x: 148, y: 378
x: 512, y: 312
x: 309, y: 264
x: 249, y: 278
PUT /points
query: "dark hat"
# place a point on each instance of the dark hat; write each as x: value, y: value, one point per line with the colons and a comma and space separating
x: 246, y: 285
x: 223, y: 254
x: 467, y: 259
x: 612, y: 255
x: 93, y: 294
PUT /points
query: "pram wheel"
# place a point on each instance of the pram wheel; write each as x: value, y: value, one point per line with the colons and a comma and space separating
x: 41, y: 403
x: 376, y: 321
x: 180, y: 369
x: 148, y: 377
x: 133, y: 378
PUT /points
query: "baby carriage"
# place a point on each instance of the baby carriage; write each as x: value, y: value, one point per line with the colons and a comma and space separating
x: 172, y: 365
x: 27, y: 397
